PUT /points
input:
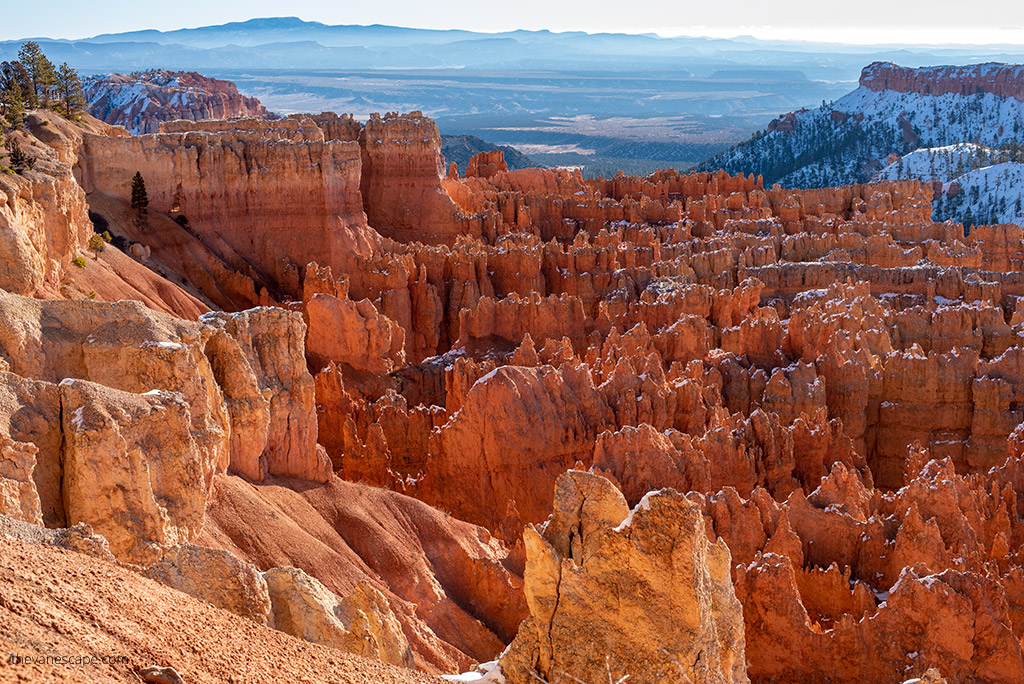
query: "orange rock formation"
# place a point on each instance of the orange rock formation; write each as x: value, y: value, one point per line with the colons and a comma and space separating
x: 1003, y: 80
x: 833, y: 380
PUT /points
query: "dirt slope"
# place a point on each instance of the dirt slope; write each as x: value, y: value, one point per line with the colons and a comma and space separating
x: 54, y: 601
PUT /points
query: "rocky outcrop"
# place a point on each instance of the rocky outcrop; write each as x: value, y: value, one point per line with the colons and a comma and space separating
x: 44, y: 218
x: 217, y: 577
x: 616, y: 593
x: 259, y: 362
x: 1001, y: 80
x: 132, y: 468
x: 486, y: 164
x: 401, y: 174
x: 360, y: 623
x: 117, y: 416
x: 471, y: 468
x: 29, y: 423
x: 353, y: 333
x: 143, y: 100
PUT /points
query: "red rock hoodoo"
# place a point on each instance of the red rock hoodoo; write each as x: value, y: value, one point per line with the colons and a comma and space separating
x: 831, y: 382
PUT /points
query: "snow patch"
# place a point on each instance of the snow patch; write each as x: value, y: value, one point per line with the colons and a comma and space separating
x: 489, y: 672
x: 644, y: 505
x: 174, y: 346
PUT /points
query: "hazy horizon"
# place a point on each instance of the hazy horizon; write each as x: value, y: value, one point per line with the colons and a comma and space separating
x: 909, y: 24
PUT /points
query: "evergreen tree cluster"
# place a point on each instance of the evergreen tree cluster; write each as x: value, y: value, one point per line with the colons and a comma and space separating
x: 32, y: 81
x: 18, y: 159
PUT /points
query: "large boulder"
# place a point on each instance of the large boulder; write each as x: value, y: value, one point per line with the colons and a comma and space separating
x: 215, y: 576
x: 360, y: 623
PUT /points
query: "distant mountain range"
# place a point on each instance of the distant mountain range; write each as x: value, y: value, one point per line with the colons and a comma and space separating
x: 288, y: 42
x: 957, y: 127
x: 603, y: 101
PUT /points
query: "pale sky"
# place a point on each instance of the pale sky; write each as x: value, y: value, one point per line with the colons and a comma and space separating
x: 864, y: 21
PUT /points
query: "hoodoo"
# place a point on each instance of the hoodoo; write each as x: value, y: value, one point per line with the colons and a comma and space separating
x: 683, y: 427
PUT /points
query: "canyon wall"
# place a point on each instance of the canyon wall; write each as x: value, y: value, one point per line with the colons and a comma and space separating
x: 834, y: 380
x: 1002, y: 80
x: 266, y: 197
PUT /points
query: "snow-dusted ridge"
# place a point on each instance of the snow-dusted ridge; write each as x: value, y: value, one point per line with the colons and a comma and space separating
x: 945, y: 124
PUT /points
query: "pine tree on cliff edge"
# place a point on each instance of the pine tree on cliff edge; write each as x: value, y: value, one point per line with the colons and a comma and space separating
x: 69, y: 90
x: 41, y: 69
x: 140, y: 200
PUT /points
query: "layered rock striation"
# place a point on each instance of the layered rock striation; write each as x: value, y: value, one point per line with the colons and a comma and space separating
x: 1001, y: 80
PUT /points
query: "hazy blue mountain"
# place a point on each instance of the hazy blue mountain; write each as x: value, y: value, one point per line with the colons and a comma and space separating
x: 288, y: 42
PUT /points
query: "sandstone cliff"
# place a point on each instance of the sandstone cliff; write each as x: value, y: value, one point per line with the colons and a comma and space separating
x: 122, y: 416
x: 264, y: 197
x: 1002, y: 80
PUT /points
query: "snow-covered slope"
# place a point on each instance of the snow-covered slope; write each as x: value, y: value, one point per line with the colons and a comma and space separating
x: 973, y: 184
x: 937, y: 163
x: 992, y: 194
x: 894, y: 111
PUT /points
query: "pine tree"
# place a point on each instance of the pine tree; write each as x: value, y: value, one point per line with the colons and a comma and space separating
x: 96, y: 245
x: 140, y: 200
x: 19, y: 160
x: 13, y: 107
x: 69, y: 90
x: 15, y: 77
x: 41, y: 69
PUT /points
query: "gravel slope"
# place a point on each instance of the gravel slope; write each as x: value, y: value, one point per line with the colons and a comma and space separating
x: 54, y: 601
